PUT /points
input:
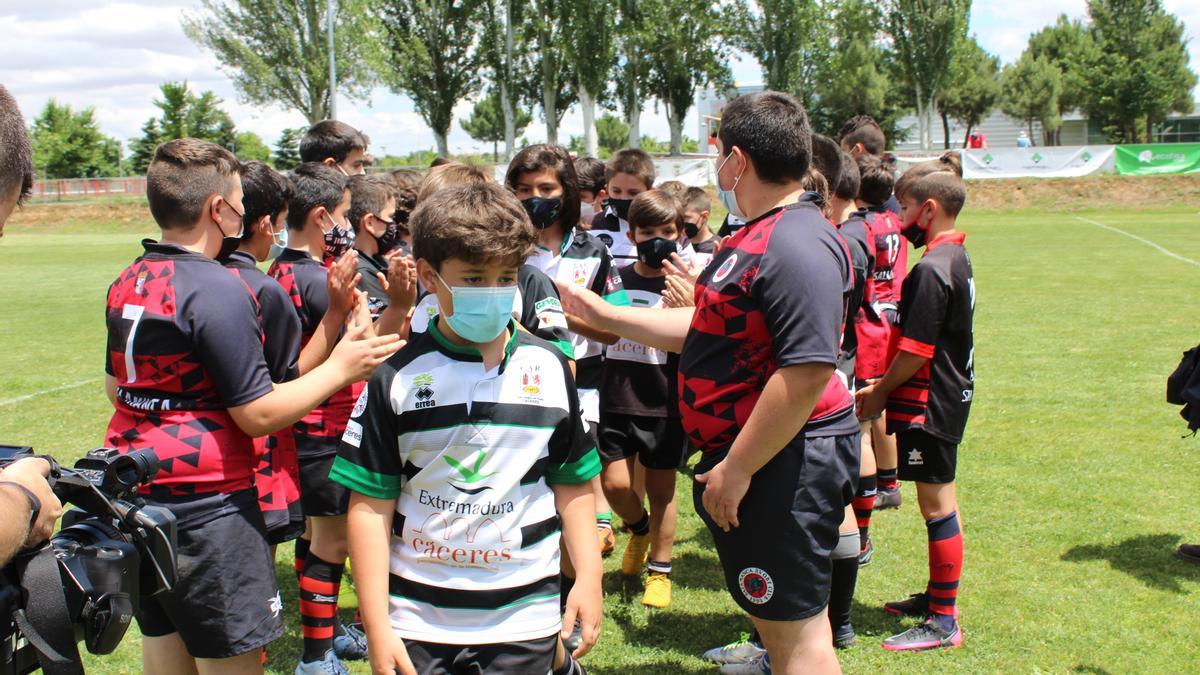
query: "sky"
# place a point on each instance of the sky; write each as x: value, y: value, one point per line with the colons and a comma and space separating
x: 113, y: 55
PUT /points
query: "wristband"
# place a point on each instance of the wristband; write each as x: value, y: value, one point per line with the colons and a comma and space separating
x: 35, y: 504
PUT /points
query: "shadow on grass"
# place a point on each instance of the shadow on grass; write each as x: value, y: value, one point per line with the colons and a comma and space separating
x: 684, y: 633
x: 1089, y: 670
x: 1149, y: 558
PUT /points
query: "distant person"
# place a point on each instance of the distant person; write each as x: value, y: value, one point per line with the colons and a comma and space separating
x: 592, y: 177
x: 977, y: 141
x: 1023, y: 140
x: 862, y: 135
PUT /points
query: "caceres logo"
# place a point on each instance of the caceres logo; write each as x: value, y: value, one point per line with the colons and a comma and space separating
x: 423, y: 391
x: 756, y: 585
x: 450, y: 540
x: 725, y: 268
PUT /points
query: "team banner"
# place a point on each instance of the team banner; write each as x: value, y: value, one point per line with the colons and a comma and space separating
x: 1052, y: 162
x: 1145, y: 160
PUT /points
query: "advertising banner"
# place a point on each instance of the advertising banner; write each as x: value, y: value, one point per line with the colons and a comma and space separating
x: 1146, y: 160
x: 1052, y: 162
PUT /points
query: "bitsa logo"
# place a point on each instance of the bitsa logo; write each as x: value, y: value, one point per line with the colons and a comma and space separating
x: 423, y: 390
x: 469, y: 475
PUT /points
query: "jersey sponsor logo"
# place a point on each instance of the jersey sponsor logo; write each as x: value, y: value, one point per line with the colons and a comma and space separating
x: 915, y: 458
x: 465, y: 508
x: 725, y: 268
x: 756, y: 585
x: 316, y: 597
x: 546, y: 304
x: 470, y: 474
x: 607, y: 239
x: 450, y: 539
x: 360, y: 406
x: 423, y: 385
x: 353, y: 434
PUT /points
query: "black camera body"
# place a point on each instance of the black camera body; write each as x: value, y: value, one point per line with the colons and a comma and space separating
x: 112, y: 551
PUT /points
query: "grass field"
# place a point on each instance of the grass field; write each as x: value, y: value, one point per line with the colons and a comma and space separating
x: 1074, y: 482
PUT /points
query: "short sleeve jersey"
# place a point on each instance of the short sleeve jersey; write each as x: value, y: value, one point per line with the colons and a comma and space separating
x: 280, y: 325
x: 368, y: 267
x: 585, y: 261
x: 185, y: 345
x: 891, y: 256
x: 536, y: 307
x: 470, y: 457
x: 936, y: 321
x: 774, y: 296
x: 640, y: 380
x: 858, y: 240
x: 610, y: 229
x: 304, y: 279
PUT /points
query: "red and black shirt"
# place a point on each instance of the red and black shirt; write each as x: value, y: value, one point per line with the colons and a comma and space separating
x: 936, y: 315
x: 774, y: 296
x: 185, y: 345
x: 891, y: 256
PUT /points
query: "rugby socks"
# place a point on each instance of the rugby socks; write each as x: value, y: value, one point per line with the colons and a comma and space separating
x: 301, y: 553
x: 887, y: 479
x: 642, y: 527
x: 656, y: 567
x: 565, y: 584
x: 945, y: 567
x: 319, y: 586
x: 569, y: 666
x: 842, y: 582
x: 604, y: 520
x: 864, y: 502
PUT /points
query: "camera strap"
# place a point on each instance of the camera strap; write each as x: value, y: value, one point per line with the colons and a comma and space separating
x: 46, y: 622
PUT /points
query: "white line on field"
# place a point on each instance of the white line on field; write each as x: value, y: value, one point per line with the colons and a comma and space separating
x: 1160, y: 249
x: 51, y: 390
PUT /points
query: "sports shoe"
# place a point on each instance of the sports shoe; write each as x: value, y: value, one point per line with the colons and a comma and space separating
x: 637, y: 551
x: 608, y: 540
x: 887, y: 498
x: 330, y: 665
x: 843, y: 636
x: 868, y: 550
x: 917, y: 604
x: 350, y: 643
x: 927, y: 635
x: 658, y: 590
x: 742, y: 651
x: 760, y: 665
x: 575, y: 638
x: 1188, y: 552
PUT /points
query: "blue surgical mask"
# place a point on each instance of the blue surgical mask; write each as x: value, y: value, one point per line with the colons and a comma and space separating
x: 480, y: 314
x: 729, y: 197
x: 280, y: 243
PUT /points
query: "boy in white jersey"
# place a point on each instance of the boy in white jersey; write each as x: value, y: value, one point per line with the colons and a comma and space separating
x: 465, y: 456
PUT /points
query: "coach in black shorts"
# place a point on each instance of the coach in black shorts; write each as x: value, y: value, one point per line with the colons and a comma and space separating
x: 757, y: 388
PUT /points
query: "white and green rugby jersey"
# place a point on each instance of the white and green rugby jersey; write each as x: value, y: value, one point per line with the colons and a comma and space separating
x: 470, y: 457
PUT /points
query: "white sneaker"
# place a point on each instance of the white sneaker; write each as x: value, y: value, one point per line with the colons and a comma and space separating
x: 742, y: 651
x: 761, y: 665
x: 330, y: 665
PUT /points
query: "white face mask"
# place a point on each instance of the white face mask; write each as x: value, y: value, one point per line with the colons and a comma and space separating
x: 729, y: 197
x: 586, y: 210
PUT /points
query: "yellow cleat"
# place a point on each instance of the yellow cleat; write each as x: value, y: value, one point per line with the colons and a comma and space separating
x: 636, y: 553
x: 658, y: 590
x: 608, y: 540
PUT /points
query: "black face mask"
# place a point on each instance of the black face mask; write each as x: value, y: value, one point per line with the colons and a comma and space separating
x: 543, y: 212
x: 621, y: 206
x: 691, y: 229
x: 654, y: 251
x: 915, y: 234
x: 228, y: 246
x: 390, y: 239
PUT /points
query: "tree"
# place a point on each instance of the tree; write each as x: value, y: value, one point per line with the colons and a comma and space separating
x: 612, y: 134
x: 504, y: 52
x: 686, y: 55
x: 1138, y: 72
x: 1068, y: 45
x: 68, y: 143
x: 634, y: 57
x: 248, y: 146
x: 781, y: 35
x: 591, y: 51
x: 549, y: 83
x: 142, y: 148
x: 1029, y: 92
x: 853, y: 81
x: 433, y: 56
x: 972, y: 90
x: 487, y: 124
x: 276, y: 51
x: 925, y: 34
x: 287, y: 149
x: 184, y: 115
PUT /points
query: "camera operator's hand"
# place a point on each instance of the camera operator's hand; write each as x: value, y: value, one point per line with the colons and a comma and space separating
x: 31, y: 474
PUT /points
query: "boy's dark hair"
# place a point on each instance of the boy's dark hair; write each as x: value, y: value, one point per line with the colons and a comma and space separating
x: 653, y: 208
x: 16, y: 153
x: 949, y: 161
x: 544, y: 156
x: 943, y: 187
x: 450, y: 174
x: 407, y: 182
x: 875, y: 180
x: 848, y: 179
x: 696, y: 199
x: 265, y: 192
x: 827, y: 158
x: 368, y: 194
x: 331, y: 138
x: 440, y: 161
x: 475, y: 223
x: 634, y: 162
x: 314, y: 184
x: 772, y: 129
x: 815, y: 181
x: 182, y: 176
x: 675, y: 188
x: 863, y: 129
x: 591, y: 174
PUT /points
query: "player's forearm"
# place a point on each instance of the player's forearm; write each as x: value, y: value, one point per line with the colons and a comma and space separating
x: 904, y: 366
x: 577, y: 509
x: 110, y: 388
x: 393, y: 320
x: 368, y: 527
x: 14, y: 527
x: 289, y: 401
x: 781, y: 412
x: 321, y: 343
x: 661, y: 328
x: 580, y: 327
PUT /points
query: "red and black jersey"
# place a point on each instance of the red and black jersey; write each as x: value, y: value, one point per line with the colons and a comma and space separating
x: 774, y: 296
x: 304, y: 279
x: 856, y: 234
x: 936, y: 315
x: 185, y: 345
x: 891, y: 256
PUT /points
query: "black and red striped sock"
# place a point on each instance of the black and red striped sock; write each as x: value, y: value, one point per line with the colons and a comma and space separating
x: 301, y: 553
x: 319, y: 586
x: 864, y: 503
x: 945, y: 564
x: 888, y: 479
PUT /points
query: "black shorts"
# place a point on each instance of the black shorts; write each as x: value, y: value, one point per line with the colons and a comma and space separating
x: 776, y: 562
x: 925, y: 458
x: 531, y: 656
x: 320, y: 495
x: 658, y: 442
x: 225, y: 602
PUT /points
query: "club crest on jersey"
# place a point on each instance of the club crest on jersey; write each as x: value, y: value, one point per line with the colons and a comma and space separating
x: 423, y: 390
x: 360, y: 406
x: 725, y: 268
x: 531, y: 380
x: 139, y: 286
x: 756, y: 585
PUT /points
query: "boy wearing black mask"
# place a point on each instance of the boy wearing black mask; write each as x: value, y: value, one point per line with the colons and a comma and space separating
x: 639, y: 417
x: 630, y: 172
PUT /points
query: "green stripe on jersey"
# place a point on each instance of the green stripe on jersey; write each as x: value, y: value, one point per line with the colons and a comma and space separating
x: 564, y: 347
x: 619, y: 299
x: 573, y: 473
x: 364, y: 481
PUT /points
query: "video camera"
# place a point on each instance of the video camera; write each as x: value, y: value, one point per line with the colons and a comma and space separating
x: 88, y: 580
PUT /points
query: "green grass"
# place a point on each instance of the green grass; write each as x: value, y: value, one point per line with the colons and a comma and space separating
x: 1074, y: 482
